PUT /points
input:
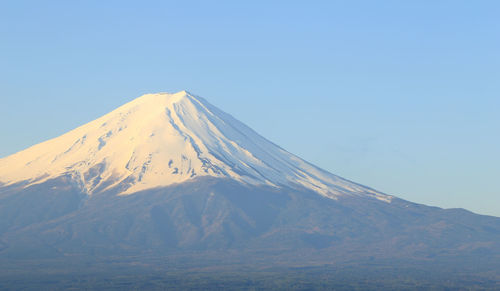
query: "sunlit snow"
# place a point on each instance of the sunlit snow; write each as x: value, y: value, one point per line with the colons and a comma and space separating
x: 161, y: 139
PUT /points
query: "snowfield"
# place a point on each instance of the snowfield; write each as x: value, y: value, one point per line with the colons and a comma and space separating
x: 161, y: 139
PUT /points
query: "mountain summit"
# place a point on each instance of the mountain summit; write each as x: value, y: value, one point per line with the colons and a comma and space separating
x: 161, y: 139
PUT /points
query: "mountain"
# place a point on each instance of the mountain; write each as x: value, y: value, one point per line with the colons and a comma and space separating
x: 168, y: 181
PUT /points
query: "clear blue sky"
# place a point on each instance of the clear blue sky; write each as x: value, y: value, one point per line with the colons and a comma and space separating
x: 402, y: 96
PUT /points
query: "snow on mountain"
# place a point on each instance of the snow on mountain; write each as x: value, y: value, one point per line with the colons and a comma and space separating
x: 162, y: 139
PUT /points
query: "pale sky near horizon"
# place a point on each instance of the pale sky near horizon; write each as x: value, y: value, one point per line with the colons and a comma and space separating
x: 401, y: 96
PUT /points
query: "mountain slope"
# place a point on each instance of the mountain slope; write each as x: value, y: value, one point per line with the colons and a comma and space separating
x: 219, y: 214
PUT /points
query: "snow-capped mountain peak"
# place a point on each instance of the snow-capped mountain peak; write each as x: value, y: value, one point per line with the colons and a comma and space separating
x: 160, y: 139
